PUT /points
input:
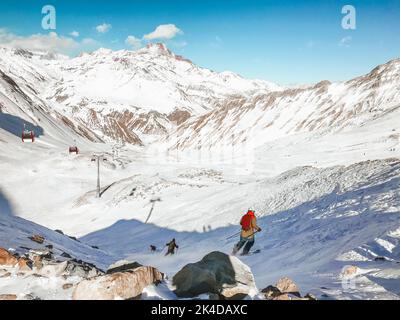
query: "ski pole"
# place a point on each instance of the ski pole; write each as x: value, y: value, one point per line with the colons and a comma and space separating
x: 234, y: 235
x: 253, y: 234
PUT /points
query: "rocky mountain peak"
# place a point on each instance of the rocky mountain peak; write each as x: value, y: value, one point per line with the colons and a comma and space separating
x: 159, y: 48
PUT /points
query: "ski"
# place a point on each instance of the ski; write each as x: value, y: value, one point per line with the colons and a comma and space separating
x: 251, y: 253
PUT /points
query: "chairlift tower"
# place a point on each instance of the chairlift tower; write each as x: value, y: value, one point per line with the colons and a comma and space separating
x: 97, y: 158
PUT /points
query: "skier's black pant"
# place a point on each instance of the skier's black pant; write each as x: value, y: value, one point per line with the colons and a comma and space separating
x: 246, y: 242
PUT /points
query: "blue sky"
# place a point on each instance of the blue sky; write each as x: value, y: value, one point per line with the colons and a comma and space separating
x: 282, y: 41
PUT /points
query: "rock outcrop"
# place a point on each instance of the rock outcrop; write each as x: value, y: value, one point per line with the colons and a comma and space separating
x: 120, y: 285
x: 271, y: 292
x: 8, y: 297
x: 69, y: 268
x: 6, y: 258
x: 24, y: 264
x: 285, y: 289
x: 286, y: 285
x: 122, y: 265
x: 217, y: 273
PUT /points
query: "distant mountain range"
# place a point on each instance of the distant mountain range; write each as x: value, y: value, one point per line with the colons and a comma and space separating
x: 152, y: 93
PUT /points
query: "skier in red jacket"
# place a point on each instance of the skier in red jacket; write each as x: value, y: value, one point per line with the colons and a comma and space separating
x: 249, y: 228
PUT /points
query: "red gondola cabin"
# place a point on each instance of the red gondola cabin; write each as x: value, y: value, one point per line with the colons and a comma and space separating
x: 73, y: 149
x: 28, y: 135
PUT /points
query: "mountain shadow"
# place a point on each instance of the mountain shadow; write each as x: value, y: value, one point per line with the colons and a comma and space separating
x: 15, y: 125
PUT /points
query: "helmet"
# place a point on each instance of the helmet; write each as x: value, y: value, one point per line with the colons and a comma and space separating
x: 250, y: 212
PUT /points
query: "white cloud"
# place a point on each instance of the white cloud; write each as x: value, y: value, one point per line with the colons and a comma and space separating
x: 41, y: 42
x: 74, y: 34
x: 164, y: 31
x: 47, y: 42
x: 103, y: 28
x: 345, y: 42
x: 134, y: 42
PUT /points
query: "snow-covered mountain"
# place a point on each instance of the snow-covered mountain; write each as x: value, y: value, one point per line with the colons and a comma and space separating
x: 320, y: 108
x: 122, y: 95
x: 136, y: 96
x: 21, y: 81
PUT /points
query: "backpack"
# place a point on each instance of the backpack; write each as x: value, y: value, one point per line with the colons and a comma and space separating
x: 246, y: 222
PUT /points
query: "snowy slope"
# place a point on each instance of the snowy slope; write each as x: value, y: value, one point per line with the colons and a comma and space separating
x: 312, y: 218
x: 14, y: 233
x: 323, y: 177
x: 317, y: 218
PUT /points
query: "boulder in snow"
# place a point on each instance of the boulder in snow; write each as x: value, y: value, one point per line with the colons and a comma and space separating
x: 67, y: 286
x: 310, y: 296
x: 6, y: 258
x: 69, y: 268
x: 66, y: 255
x: 37, y: 238
x: 380, y: 259
x: 286, y: 285
x: 119, y: 285
x: 123, y: 265
x: 285, y: 289
x: 271, y: 292
x: 43, y: 254
x: 216, y: 273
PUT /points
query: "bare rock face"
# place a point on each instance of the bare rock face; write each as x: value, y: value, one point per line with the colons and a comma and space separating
x: 119, y: 285
x: 6, y: 258
x: 179, y: 116
x: 286, y: 285
x: 217, y: 273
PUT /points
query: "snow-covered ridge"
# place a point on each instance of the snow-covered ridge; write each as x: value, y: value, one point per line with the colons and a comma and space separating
x: 150, y: 79
x: 320, y: 108
x: 131, y: 95
x: 125, y: 94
